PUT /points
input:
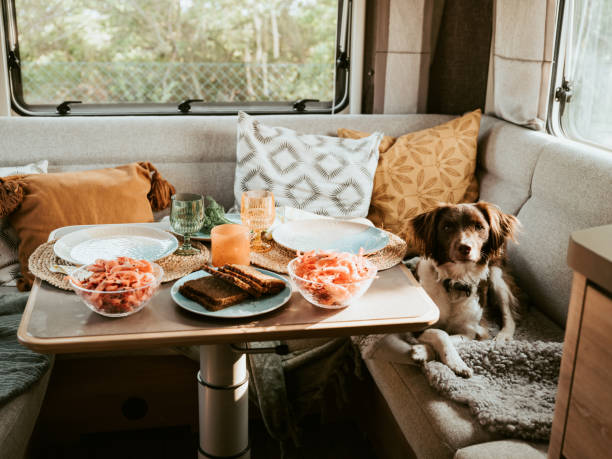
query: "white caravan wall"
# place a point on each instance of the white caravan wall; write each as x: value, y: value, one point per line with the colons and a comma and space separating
x: 357, y: 53
x: 5, y: 104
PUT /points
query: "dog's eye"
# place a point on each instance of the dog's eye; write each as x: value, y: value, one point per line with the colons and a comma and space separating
x: 446, y: 227
x: 479, y: 227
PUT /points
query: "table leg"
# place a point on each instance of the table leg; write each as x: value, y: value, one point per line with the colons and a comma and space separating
x: 223, y: 384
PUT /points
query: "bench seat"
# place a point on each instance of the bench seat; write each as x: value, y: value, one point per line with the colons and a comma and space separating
x: 18, y: 418
x: 553, y: 186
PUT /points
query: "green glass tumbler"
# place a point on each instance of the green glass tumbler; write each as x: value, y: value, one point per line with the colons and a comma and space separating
x: 186, y: 218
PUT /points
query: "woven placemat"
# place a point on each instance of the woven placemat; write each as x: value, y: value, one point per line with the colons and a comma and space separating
x: 175, y: 266
x: 278, y: 257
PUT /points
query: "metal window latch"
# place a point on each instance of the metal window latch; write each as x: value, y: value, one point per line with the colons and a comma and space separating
x: 185, y: 106
x: 13, y: 60
x: 343, y: 61
x: 300, y: 105
x: 563, y: 95
x: 281, y: 349
x: 64, y: 107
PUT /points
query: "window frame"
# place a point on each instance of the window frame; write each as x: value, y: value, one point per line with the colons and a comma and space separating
x: 340, y: 102
x: 554, y: 124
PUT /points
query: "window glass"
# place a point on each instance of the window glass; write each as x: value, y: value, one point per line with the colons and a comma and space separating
x: 588, y: 68
x: 162, y: 51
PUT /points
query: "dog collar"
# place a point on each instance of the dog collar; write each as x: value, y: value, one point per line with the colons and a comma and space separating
x: 458, y: 286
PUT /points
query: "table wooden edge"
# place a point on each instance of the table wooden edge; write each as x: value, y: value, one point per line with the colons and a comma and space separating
x: 588, y: 257
x: 195, y: 337
x: 186, y: 338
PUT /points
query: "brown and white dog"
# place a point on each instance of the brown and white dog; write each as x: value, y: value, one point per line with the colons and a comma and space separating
x: 462, y: 268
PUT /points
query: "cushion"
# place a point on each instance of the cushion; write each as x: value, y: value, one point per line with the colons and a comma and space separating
x: 504, y: 449
x: 18, y: 418
x: 9, y: 240
x: 507, y: 157
x: 570, y: 190
x: 471, y: 194
x: 432, y: 425
x: 420, y: 169
x: 39, y: 167
x: 38, y: 204
x: 319, y: 174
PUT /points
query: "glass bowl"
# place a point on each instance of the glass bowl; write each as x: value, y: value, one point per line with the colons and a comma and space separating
x: 118, y: 303
x: 327, y: 294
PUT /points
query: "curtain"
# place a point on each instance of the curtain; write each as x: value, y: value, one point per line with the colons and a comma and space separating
x: 400, y: 37
x: 460, y: 63
x: 521, y: 60
x: 587, y: 68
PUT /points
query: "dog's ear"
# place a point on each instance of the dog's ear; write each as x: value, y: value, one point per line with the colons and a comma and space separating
x: 501, y: 228
x: 424, y: 232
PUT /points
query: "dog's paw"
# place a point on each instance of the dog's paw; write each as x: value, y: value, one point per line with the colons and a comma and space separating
x: 482, y: 334
x: 503, y: 337
x: 412, y: 264
x: 422, y: 353
x: 460, y: 368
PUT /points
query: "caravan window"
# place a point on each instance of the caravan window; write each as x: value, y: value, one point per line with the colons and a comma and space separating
x: 147, y: 56
x: 583, y: 89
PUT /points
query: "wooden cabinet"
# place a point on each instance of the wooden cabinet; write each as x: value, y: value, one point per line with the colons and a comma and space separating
x: 588, y: 426
x: 582, y: 425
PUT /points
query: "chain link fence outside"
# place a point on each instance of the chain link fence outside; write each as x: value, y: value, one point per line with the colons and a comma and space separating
x: 108, y: 82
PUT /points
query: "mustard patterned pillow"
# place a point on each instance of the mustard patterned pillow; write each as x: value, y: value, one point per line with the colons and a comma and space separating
x: 421, y: 169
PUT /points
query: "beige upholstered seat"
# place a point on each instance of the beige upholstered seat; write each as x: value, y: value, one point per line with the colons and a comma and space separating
x: 503, y: 449
x: 18, y: 417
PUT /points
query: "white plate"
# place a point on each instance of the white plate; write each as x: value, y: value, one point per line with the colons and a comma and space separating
x: 342, y: 236
x: 247, y: 308
x: 111, y: 241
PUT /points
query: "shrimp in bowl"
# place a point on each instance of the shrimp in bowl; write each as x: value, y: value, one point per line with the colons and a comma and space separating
x: 330, y: 279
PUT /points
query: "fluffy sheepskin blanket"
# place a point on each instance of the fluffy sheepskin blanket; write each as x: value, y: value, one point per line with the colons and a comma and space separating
x: 512, y: 391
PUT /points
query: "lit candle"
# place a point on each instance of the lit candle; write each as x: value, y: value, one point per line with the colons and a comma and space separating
x: 230, y: 244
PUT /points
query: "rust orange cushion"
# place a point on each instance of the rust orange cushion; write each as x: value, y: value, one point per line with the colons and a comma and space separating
x: 420, y: 169
x: 121, y: 194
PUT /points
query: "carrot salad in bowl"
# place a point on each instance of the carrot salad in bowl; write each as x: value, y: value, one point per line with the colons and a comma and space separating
x: 331, y: 279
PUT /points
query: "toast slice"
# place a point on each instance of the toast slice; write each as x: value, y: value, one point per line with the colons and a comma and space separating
x: 254, y: 285
x: 254, y: 277
x: 187, y: 293
x: 212, y: 293
x: 234, y: 279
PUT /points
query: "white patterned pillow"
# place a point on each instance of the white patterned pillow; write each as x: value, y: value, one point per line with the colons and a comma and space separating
x: 39, y: 167
x: 9, y: 265
x: 324, y: 175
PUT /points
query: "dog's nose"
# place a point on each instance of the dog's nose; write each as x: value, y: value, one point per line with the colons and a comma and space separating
x: 464, y: 249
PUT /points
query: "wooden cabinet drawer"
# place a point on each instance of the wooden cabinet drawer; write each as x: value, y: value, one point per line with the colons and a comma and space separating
x: 588, y: 431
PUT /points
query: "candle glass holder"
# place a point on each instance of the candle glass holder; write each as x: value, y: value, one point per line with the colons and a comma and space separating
x: 230, y: 244
x: 186, y: 218
x: 257, y: 212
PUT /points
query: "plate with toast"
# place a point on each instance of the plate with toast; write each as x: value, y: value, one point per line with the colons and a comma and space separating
x: 231, y: 291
